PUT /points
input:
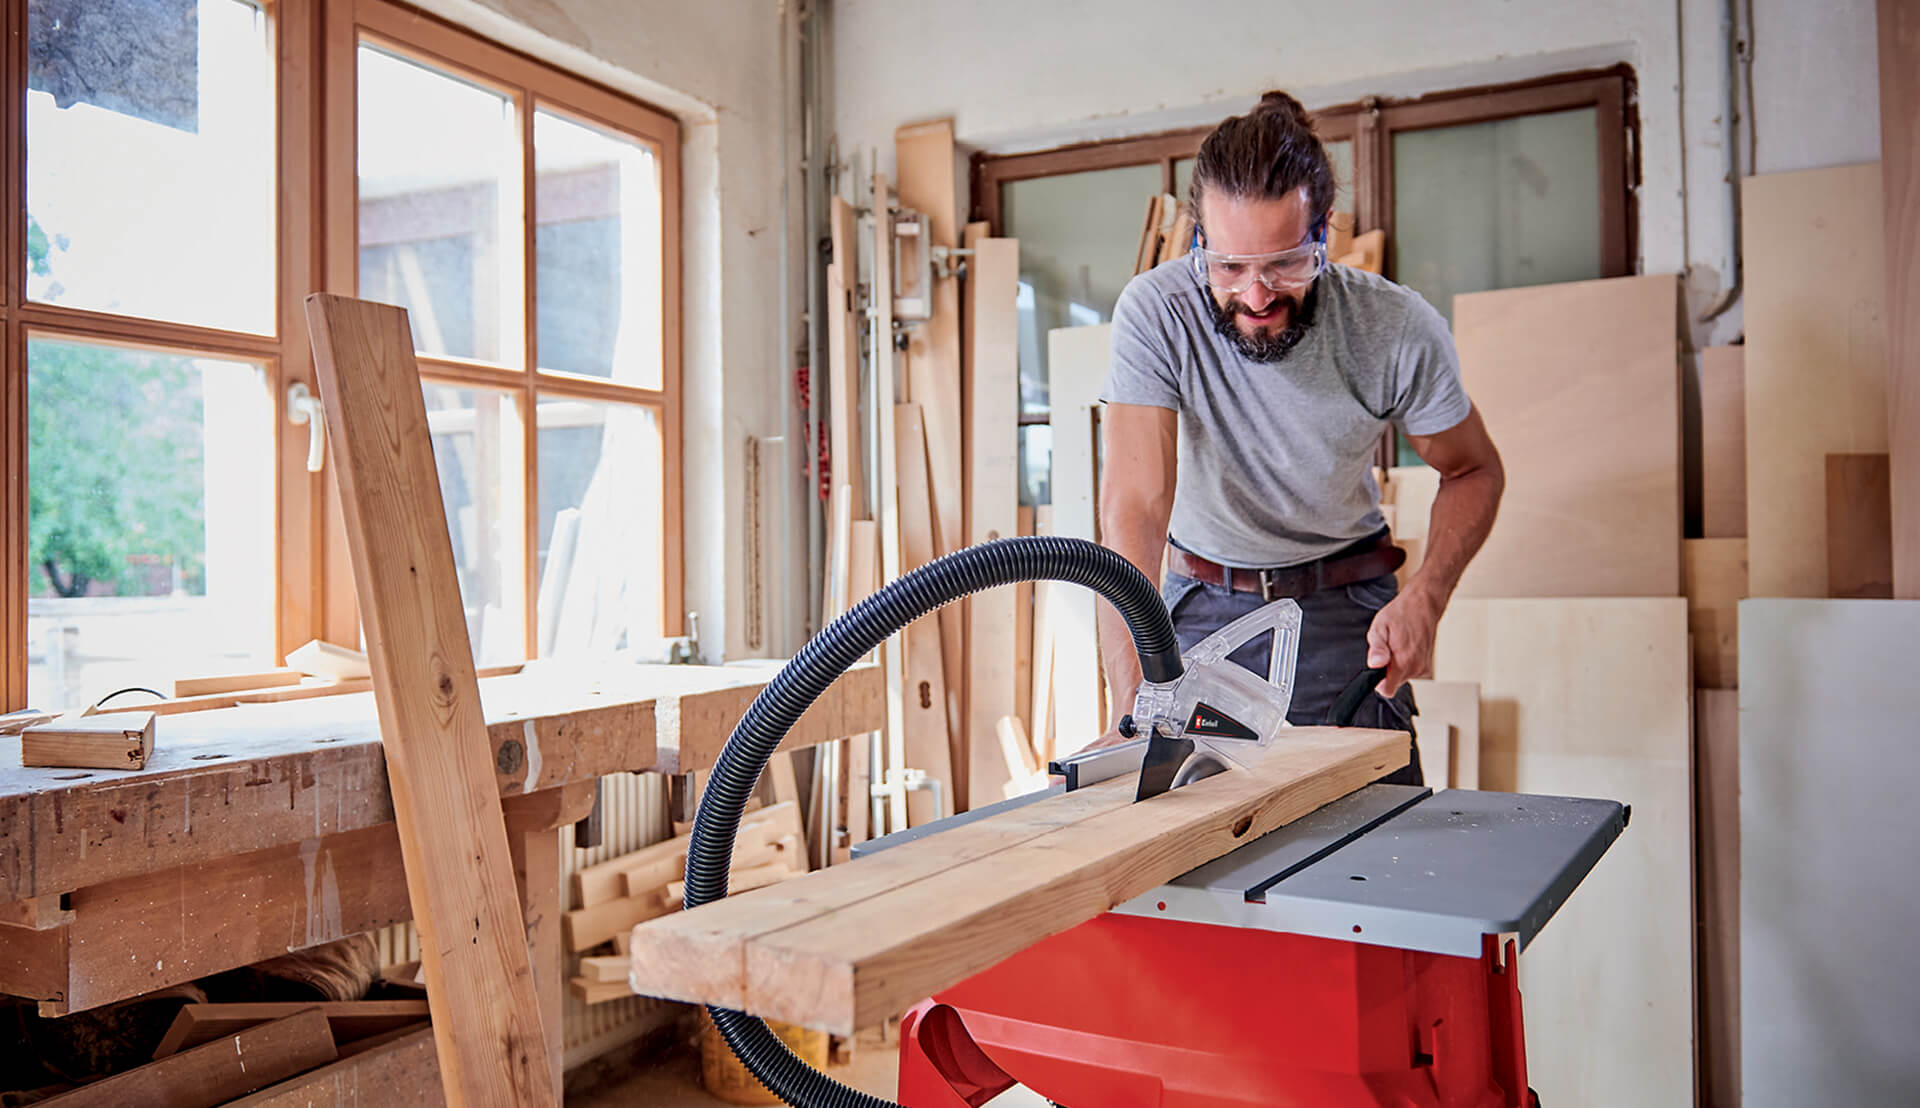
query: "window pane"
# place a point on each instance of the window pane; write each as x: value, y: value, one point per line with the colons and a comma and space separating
x: 597, y: 247
x: 477, y: 446
x: 440, y: 208
x: 1078, y: 234
x: 602, y: 527
x: 150, y: 160
x: 1496, y: 205
x: 1036, y: 464
x: 149, y: 520
x: 1339, y: 152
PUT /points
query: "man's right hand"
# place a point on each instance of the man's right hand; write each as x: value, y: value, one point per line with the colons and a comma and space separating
x: 1113, y: 737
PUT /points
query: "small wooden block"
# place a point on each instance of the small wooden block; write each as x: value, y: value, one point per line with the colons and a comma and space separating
x: 605, y: 967
x: 589, y: 991
x: 119, y: 741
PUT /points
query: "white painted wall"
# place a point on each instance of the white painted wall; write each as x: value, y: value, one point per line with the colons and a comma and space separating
x: 1016, y: 75
x: 717, y: 67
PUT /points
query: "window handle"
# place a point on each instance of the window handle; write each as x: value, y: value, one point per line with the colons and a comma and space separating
x: 304, y: 407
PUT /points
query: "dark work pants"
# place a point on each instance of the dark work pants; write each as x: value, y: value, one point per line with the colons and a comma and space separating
x: 1333, y: 649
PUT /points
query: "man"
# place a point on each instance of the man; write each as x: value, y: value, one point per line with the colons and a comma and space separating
x: 1249, y: 386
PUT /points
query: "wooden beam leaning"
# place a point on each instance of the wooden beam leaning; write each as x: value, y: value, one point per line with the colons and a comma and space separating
x: 453, y: 835
x: 851, y: 946
x: 1899, y: 41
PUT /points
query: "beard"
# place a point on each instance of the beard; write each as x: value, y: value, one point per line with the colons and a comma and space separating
x: 1263, y: 346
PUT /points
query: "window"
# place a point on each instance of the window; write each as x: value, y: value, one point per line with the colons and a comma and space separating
x: 183, y: 178
x: 1479, y: 189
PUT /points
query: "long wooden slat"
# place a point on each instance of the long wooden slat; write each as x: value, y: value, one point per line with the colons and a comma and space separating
x: 1723, y: 442
x: 1899, y: 39
x: 886, y: 491
x: 1716, y: 822
x: 1580, y: 385
x: 929, y: 746
x: 993, y: 498
x: 1815, y: 359
x: 486, y: 1015
x: 1589, y: 697
x: 215, y: 1072
x: 851, y: 946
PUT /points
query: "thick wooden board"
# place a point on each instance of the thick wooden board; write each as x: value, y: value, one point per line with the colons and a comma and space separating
x: 235, y: 682
x: 929, y: 746
x: 1589, y: 697
x: 402, y: 1070
x: 1716, y: 583
x: 1827, y: 823
x: 1449, y: 725
x: 1859, y: 526
x: 993, y: 500
x: 1077, y: 369
x: 924, y: 153
x: 1723, y: 442
x: 111, y: 742
x: 1716, y: 847
x: 486, y: 1017
x: 216, y: 1072
x: 1816, y: 359
x: 348, y: 1020
x: 851, y: 946
x: 1899, y: 41
x: 1580, y: 388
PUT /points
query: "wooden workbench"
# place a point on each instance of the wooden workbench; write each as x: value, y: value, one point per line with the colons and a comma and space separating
x: 266, y: 828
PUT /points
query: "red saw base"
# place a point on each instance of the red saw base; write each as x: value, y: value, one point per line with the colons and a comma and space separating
x: 1134, y: 1012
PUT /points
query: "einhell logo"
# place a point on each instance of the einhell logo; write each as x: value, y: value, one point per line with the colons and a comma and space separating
x: 1210, y: 721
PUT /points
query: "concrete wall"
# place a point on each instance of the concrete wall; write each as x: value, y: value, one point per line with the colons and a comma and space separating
x: 717, y: 66
x: 1018, y: 75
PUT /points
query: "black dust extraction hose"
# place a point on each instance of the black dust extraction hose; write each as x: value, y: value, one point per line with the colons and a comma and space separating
x: 825, y: 657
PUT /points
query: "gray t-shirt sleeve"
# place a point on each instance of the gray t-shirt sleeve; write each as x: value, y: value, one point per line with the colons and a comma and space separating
x: 1143, y: 369
x: 1429, y: 397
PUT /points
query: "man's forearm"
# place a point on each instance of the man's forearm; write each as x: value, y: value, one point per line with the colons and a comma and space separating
x: 1462, y: 517
x: 1141, y: 545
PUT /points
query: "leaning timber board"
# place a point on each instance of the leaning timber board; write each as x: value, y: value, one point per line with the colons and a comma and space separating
x: 1723, y: 442
x: 1716, y: 581
x: 403, y: 1070
x: 1077, y: 368
x: 453, y: 837
x: 1580, y: 388
x: 1716, y: 797
x: 848, y: 947
x: 1589, y: 697
x: 1828, y: 912
x: 1899, y: 41
x: 1816, y: 359
x: 929, y: 745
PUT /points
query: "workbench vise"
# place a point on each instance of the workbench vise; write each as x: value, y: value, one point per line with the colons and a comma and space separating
x: 1366, y: 954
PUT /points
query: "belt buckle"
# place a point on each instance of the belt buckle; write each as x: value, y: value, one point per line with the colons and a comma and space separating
x: 1266, y: 585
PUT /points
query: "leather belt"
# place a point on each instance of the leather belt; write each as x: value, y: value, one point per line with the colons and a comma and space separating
x: 1363, y: 561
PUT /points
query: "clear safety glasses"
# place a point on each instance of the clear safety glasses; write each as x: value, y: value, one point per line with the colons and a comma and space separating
x: 1279, y: 271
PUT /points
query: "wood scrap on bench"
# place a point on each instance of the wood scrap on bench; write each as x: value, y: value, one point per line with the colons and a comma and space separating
x: 349, y: 1020
x: 453, y: 835
x: 850, y: 946
x: 119, y: 741
x: 214, y: 1072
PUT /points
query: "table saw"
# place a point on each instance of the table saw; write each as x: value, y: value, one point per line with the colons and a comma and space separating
x: 1365, y: 954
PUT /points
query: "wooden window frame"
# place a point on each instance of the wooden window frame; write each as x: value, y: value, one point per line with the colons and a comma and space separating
x: 313, y: 43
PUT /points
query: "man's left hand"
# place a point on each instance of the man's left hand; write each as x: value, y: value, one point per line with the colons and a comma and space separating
x: 1401, y: 638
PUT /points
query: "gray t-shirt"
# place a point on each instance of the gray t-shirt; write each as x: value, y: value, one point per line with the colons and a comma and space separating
x: 1276, y: 458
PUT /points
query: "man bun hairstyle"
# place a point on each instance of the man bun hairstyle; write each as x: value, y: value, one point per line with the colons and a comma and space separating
x: 1264, y: 155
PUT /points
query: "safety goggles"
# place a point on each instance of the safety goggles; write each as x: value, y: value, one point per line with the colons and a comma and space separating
x: 1279, y: 271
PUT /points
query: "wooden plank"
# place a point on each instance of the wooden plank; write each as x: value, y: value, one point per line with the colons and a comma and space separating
x: 1827, y: 759
x: 993, y: 499
x: 1580, y: 387
x: 215, y: 1072
x: 929, y: 746
x: 848, y: 947
x: 1077, y: 367
x: 1716, y: 582
x: 1899, y: 40
x: 604, y: 968
x: 1609, y: 983
x: 402, y: 1070
x: 588, y: 991
x: 1409, y: 492
x: 1723, y: 442
x: 486, y: 1018
x: 1449, y: 724
x: 115, y: 742
x: 35, y: 913
x: 1716, y: 848
x: 886, y: 491
x: 1859, y: 526
x: 1815, y: 359
x: 585, y: 928
x: 843, y: 363
x: 348, y: 1020
x: 234, y: 682
x: 1143, y: 256
x: 324, y: 659
x: 925, y: 157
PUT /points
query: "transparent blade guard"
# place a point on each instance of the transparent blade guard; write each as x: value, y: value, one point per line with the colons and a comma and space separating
x: 1221, y: 706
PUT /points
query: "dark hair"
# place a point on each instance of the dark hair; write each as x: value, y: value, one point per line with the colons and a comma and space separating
x: 1264, y: 155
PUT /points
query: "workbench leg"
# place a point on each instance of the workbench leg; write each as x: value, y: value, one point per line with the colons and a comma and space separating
x: 533, y: 838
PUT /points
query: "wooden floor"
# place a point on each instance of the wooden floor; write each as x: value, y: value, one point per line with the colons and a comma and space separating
x: 673, y: 1081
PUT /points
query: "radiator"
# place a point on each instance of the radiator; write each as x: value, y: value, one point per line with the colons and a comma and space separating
x: 634, y: 814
